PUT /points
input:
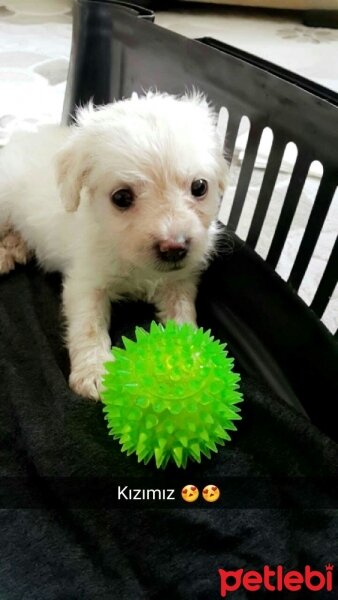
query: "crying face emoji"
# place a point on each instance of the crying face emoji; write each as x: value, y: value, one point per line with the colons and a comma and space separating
x: 211, y: 493
x: 190, y: 493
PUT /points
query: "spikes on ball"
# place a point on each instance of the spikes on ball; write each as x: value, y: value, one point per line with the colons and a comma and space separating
x: 171, y: 394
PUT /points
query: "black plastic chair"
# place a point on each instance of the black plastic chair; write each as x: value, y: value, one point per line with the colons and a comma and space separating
x: 117, y: 49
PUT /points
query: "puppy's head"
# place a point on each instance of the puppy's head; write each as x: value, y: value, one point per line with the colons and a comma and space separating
x: 154, y: 173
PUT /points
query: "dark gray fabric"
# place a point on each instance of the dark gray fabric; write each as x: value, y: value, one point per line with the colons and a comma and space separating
x: 51, y: 549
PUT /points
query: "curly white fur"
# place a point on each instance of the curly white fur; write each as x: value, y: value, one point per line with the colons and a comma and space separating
x: 56, y: 187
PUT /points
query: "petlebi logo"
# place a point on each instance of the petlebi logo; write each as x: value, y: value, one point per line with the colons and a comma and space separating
x: 276, y: 579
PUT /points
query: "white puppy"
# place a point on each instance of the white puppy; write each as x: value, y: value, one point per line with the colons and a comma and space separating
x: 123, y: 203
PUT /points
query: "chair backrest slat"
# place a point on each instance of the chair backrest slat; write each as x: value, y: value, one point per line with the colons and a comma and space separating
x: 265, y: 194
x: 327, y: 283
x: 314, y: 226
x: 245, y: 176
x: 290, y: 204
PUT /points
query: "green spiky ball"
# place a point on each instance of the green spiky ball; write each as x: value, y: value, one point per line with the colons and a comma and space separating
x: 171, y: 394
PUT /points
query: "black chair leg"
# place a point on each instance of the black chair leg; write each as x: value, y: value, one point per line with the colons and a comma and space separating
x: 321, y: 18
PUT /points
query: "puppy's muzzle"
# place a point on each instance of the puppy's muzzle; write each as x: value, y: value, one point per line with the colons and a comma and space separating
x: 172, y: 251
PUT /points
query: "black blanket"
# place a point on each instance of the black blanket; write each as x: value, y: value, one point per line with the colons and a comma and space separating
x: 63, y: 532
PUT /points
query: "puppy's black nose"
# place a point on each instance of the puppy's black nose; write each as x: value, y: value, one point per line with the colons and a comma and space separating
x: 172, y: 251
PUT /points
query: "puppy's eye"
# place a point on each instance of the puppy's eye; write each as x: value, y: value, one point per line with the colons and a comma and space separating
x: 123, y: 198
x: 199, y: 188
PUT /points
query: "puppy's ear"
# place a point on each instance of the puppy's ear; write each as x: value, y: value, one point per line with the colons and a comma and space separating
x: 72, y: 159
x: 70, y: 173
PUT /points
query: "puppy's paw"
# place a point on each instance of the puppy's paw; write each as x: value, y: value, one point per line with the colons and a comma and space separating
x: 7, y: 262
x: 16, y: 246
x: 88, y: 386
x: 87, y: 381
x: 188, y: 315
